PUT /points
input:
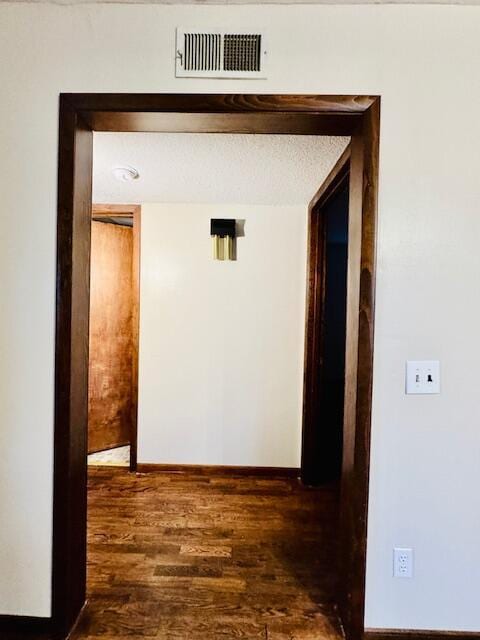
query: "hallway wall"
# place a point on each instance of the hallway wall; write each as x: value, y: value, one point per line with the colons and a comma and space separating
x: 423, y: 61
x: 221, y: 343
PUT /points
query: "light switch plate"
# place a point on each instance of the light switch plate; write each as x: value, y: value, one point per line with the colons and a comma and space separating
x: 422, y: 376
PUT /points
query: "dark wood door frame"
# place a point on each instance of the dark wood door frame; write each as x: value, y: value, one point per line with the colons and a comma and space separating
x: 132, y: 211
x: 80, y: 115
x: 314, y: 317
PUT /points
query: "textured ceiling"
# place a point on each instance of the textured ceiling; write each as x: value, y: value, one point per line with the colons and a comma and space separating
x: 213, y: 168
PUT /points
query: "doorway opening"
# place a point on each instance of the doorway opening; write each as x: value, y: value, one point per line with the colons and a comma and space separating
x: 252, y: 310
x: 326, y: 328
x: 113, y: 335
x: 80, y: 115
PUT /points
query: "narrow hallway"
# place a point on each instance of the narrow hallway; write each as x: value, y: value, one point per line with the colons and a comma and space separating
x: 188, y: 555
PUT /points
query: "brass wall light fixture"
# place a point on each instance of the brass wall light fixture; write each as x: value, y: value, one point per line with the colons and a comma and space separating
x: 223, y: 234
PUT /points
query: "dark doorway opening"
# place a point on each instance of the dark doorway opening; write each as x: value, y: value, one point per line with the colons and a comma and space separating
x: 326, y: 329
x: 329, y: 432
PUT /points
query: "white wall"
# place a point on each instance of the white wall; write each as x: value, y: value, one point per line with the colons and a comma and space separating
x: 424, y: 61
x: 221, y: 343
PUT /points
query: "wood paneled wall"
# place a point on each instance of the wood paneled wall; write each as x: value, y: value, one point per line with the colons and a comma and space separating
x: 111, y: 337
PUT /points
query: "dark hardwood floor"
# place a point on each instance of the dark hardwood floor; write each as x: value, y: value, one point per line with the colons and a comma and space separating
x: 179, y: 556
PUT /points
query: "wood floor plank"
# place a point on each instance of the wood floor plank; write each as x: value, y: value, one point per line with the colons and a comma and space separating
x: 209, y: 551
x: 191, y: 557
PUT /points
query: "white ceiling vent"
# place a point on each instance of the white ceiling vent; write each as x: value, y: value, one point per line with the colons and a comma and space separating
x: 220, y: 54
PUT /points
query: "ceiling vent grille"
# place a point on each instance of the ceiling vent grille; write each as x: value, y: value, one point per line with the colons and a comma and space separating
x: 220, y: 54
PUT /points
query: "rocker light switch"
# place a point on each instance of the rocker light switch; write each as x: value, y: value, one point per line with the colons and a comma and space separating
x: 423, y: 376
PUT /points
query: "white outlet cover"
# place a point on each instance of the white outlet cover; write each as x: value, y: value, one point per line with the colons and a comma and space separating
x: 422, y: 377
x: 402, y: 562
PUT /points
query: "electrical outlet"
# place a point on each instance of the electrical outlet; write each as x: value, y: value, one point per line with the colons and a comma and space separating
x: 402, y: 562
